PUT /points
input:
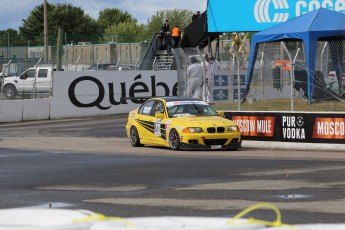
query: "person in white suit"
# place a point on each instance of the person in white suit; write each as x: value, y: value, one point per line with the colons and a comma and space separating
x: 194, y: 79
x: 211, y: 65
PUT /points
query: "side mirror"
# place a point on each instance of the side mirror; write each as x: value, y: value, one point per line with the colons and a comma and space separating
x: 159, y: 115
x: 23, y: 76
x: 221, y: 113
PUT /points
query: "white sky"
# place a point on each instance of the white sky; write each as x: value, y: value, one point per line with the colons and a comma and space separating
x: 14, y: 11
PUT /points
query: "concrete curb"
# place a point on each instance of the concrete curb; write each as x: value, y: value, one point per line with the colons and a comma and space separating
x: 293, y: 146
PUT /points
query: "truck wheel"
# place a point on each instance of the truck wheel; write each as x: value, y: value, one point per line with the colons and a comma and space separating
x: 10, y: 91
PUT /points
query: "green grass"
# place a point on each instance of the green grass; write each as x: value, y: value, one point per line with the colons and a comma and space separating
x: 284, y: 105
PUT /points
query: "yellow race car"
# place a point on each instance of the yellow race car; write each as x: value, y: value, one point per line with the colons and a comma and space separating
x: 181, y: 123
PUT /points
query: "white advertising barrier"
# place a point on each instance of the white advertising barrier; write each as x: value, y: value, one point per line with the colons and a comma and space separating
x: 194, y: 223
x: 44, y: 219
x: 11, y: 111
x: 90, y: 93
x: 36, y: 109
x: 311, y: 227
x: 175, y: 223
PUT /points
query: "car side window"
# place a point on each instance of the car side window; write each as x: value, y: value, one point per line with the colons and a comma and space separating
x: 29, y: 74
x: 42, y: 73
x: 146, y: 108
x: 159, y: 107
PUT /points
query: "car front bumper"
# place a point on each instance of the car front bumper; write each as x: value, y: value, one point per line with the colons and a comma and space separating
x: 225, y: 141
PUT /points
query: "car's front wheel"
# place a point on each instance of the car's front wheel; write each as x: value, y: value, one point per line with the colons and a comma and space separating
x: 10, y: 91
x: 134, y: 137
x: 174, y: 140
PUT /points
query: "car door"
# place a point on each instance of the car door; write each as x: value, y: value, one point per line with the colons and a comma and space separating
x: 145, y: 121
x: 26, y: 81
x: 159, y: 123
x: 151, y: 129
x: 43, y: 80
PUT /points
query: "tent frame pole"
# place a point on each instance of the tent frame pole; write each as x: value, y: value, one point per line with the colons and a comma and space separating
x: 292, y: 62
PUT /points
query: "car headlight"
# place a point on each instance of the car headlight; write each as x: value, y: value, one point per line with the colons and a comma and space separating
x: 232, y: 128
x: 192, y: 130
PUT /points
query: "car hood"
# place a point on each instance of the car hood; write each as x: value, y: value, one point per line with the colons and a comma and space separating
x: 202, y: 121
x: 10, y: 79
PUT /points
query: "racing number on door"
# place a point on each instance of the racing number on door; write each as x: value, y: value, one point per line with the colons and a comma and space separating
x: 158, y: 128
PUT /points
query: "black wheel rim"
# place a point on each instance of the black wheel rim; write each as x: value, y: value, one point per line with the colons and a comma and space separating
x: 174, y: 139
x: 134, y: 136
x: 9, y: 91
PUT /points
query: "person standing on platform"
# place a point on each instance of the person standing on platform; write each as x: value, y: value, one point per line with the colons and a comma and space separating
x: 165, y: 27
x: 196, y: 16
x: 168, y: 40
x: 176, y: 33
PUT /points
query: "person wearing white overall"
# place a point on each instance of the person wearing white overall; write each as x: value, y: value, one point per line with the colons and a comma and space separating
x: 194, y: 79
x: 211, y: 65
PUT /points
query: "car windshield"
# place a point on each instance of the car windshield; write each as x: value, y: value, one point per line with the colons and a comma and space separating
x: 189, y: 108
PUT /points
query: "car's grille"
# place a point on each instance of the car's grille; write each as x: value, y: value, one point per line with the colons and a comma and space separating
x: 214, y: 129
x: 215, y: 141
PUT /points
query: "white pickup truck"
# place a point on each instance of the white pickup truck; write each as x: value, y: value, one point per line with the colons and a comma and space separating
x: 33, y: 80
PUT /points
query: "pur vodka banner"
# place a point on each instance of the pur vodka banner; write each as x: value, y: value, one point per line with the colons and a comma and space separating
x: 257, y: 15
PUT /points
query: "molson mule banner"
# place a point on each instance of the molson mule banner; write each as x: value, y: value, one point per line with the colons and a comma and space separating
x: 257, y: 15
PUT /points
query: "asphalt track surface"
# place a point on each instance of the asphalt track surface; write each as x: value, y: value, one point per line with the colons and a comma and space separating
x: 88, y: 163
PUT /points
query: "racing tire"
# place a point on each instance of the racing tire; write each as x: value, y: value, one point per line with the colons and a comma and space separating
x: 174, y: 140
x: 134, y: 137
x: 10, y: 91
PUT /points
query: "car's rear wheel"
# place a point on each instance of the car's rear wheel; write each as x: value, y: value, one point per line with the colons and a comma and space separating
x: 174, y: 140
x: 134, y: 137
x: 10, y: 91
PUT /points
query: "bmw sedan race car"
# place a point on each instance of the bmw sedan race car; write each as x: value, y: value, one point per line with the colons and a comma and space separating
x: 181, y: 123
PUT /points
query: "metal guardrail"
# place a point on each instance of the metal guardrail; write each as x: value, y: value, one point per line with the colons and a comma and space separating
x: 154, y: 64
x: 150, y: 51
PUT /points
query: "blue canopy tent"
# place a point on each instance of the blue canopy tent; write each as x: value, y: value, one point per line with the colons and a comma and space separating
x: 321, y: 24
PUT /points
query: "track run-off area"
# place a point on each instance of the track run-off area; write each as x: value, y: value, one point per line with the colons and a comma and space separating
x: 88, y: 163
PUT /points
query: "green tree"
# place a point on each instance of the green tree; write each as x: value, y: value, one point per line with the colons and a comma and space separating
x: 182, y: 18
x: 73, y: 21
x: 33, y: 28
x: 111, y: 17
x: 11, y: 37
x: 127, y: 32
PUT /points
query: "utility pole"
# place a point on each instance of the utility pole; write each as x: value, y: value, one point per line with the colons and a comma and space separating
x: 45, y: 31
x: 8, y: 46
x: 59, y: 50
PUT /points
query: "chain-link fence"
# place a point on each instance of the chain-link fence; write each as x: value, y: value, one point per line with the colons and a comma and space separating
x: 219, y: 75
x: 279, y: 81
x: 280, y: 77
x: 78, y: 51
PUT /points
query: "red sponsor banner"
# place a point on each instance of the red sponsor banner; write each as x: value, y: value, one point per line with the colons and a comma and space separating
x: 255, y: 126
x: 329, y: 128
